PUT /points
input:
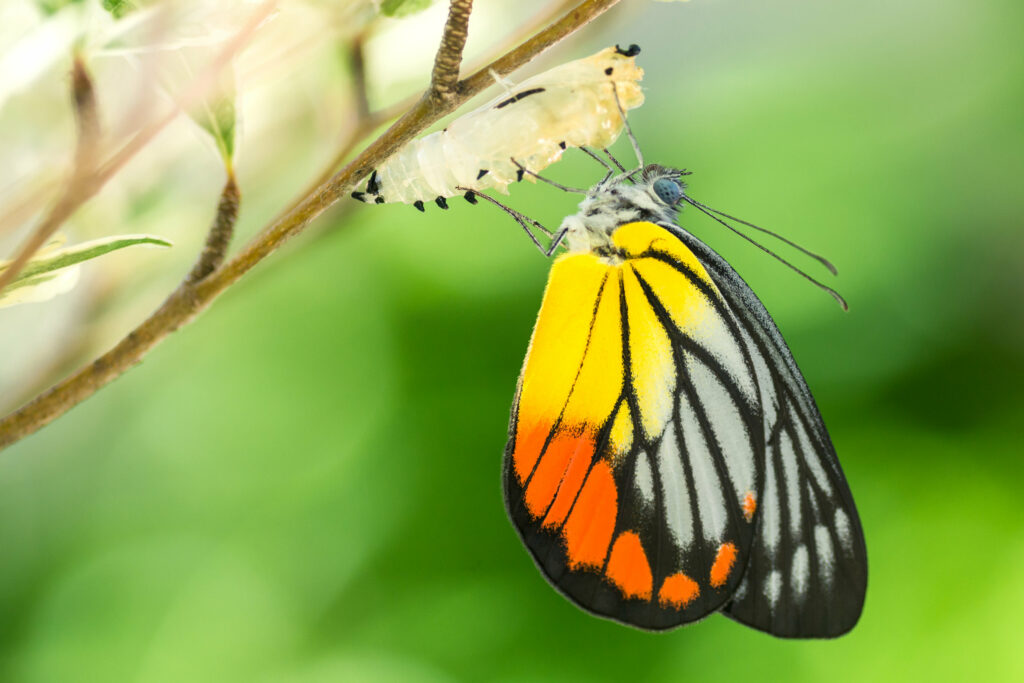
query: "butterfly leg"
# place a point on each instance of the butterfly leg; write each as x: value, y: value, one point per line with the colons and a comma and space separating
x: 629, y: 130
x: 525, y: 222
x: 556, y: 241
x: 592, y: 155
x: 561, y: 187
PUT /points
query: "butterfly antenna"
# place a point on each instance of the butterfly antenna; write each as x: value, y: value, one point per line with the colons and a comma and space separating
x: 556, y: 238
x: 817, y: 257
x: 629, y: 130
x: 707, y: 212
x: 560, y: 186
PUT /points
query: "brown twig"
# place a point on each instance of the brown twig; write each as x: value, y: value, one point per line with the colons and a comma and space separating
x: 219, y: 237
x: 189, y: 299
x: 449, y: 56
x: 87, y: 118
x: 357, y: 59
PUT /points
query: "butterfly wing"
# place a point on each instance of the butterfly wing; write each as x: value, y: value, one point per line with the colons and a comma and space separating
x: 666, y: 459
x: 636, y: 447
x: 807, y: 573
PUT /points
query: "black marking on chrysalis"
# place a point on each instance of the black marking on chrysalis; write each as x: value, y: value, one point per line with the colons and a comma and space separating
x: 517, y: 97
x: 482, y: 173
x: 470, y: 197
x: 419, y: 205
x: 361, y: 196
x: 632, y: 51
x: 442, y: 202
x: 519, y: 175
x: 378, y: 199
x: 608, y: 71
x: 373, y: 185
x: 562, y: 144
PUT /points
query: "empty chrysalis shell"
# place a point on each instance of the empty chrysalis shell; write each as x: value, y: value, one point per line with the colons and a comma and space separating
x: 572, y: 105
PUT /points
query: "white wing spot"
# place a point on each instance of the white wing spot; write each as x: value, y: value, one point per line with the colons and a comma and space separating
x: 710, y: 503
x: 843, y: 529
x: 791, y: 472
x: 826, y: 554
x: 644, y: 480
x: 773, y: 587
x: 675, y: 495
x: 800, y: 571
x: 741, y: 590
x: 771, y: 524
x: 728, y: 427
x: 812, y: 455
x: 715, y: 337
x: 768, y: 398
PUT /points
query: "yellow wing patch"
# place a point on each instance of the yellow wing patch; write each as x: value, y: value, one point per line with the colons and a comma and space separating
x: 573, y: 387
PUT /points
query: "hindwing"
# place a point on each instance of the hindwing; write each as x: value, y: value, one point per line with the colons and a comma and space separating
x: 656, y: 446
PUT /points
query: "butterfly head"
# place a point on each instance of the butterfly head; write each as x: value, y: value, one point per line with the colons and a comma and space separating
x: 653, y: 194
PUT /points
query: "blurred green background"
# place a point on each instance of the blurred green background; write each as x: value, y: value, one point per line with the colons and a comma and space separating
x: 304, y: 485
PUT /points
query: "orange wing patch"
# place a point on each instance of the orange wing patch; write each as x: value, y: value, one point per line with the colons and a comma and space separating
x: 724, y: 561
x: 678, y: 591
x: 628, y: 567
x: 564, y: 463
x: 580, y: 450
x: 749, y: 506
x: 588, y: 531
x: 572, y: 387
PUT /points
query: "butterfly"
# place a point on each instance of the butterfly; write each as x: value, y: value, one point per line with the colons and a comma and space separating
x: 665, y: 458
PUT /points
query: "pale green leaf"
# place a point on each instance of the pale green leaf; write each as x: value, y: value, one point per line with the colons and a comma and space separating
x: 54, y: 270
x: 402, y: 8
x: 216, y: 114
x: 40, y: 288
x: 119, y: 8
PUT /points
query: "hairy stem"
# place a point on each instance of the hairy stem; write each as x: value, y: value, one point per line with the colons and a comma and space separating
x: 219, y: 237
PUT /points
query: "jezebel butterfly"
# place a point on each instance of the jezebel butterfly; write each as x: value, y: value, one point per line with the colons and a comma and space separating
x: 666, y: 459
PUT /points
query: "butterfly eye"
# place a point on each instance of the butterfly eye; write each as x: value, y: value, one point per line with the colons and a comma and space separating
x: 668, y: 191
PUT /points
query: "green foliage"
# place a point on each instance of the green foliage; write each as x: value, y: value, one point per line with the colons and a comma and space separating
x: 403, y: 8
x: 54, y: 270
x: 216, y: 115
x: 119, y: 8
x: 53, y: 6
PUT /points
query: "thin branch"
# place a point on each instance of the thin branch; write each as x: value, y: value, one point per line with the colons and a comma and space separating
x: 363, y: 128
x: 357, y: 60
x: 219, y: 237
x: 87, y: 118
x: 188, y: 300
x: 449, y: 56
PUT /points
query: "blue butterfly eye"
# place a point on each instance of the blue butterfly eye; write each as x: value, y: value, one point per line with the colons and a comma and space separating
x: 668, y: 191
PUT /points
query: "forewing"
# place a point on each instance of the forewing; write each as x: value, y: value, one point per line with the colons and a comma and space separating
x: 635, y: 455
x: 807, y: 573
